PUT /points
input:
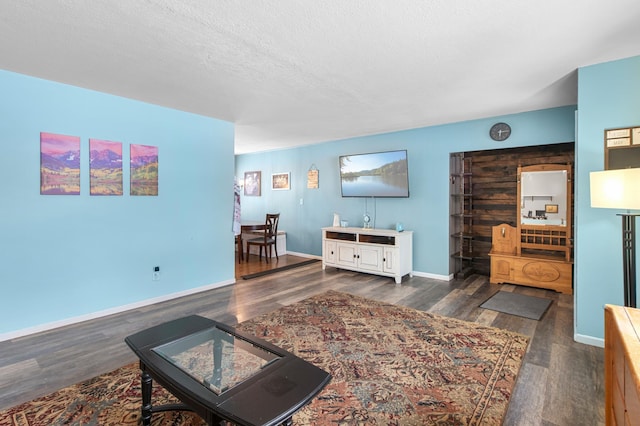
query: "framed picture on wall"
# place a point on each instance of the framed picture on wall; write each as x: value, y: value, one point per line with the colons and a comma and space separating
x: 105, y: 167
x: 551, y: 208
x: 280, y: 181
x: 252, y: 183
x: 143, y: 161
x: 59, y: 164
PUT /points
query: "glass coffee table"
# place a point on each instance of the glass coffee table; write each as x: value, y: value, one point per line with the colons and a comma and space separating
x: 223, y: 374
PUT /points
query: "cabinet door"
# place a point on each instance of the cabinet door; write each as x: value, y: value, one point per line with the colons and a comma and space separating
x: 370, y: 258
x: 501, y: 269
x: 347, y: 254
x: 390, y: 260
x: 329, y: 254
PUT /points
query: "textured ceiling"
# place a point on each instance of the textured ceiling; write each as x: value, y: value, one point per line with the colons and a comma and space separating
x: 294, y: 72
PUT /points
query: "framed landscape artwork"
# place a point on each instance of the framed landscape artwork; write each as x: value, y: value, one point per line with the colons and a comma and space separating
x: 59, y: 164
x: 144, y: 170
x: 280, y: 181
x: 105, y: 167
x: 252, y: 183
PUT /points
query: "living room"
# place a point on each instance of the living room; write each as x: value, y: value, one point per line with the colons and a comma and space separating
x: 47, y: 237
x: 80, y: 283
x: 426, y: 210
x: 72, y: 258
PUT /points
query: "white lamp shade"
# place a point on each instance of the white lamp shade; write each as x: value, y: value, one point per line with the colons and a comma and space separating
x: 616, y: 189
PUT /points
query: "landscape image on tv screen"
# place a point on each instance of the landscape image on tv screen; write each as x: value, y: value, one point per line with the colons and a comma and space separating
x: 378, y: 174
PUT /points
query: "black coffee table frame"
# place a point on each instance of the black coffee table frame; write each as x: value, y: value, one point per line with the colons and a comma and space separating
x: 270, y: 397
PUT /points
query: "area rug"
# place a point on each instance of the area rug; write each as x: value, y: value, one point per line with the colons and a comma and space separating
x: 391, y: 365
x: 517, y: 304
x: 280, y: 269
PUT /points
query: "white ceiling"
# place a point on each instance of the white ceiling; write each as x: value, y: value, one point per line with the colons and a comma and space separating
x: 295, y: 72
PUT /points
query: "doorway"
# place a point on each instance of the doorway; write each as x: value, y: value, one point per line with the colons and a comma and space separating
x: 483, y: 193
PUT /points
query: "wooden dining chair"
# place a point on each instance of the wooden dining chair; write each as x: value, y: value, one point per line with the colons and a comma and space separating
x: 268, y: 238
x: 240, y: 248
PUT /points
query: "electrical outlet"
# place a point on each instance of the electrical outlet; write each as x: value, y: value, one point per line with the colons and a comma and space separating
x: 156, y: 273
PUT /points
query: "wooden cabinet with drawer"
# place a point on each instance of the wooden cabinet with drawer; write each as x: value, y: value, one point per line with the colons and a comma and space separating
x: 622, y: 365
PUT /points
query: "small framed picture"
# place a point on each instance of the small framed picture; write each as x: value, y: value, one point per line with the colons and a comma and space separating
x: 551, y: 208
x: 280, y: 181
x: 252, y: 183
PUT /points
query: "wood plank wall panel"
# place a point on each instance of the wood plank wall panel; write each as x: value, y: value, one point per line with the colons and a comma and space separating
x: 495, y: 189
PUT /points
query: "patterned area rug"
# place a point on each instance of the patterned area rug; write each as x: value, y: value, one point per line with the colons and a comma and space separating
x: 391, y: 366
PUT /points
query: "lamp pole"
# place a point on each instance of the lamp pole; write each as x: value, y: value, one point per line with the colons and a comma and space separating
x: 629, y: 258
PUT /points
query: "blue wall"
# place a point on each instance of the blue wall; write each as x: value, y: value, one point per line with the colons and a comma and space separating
x: 608, y: 97
x: 68, y: 256
x: 426, y: 211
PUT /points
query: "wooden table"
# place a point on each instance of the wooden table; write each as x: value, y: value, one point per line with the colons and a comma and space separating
x: 223, y: 374
x: 251, y: 225
x: 248, y: 226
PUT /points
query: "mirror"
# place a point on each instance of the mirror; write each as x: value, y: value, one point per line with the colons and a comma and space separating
x: 543, y: 198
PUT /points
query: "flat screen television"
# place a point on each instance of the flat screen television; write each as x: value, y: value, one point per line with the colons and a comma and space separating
x: 376, y: 174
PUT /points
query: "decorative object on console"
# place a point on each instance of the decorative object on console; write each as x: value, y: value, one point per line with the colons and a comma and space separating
x: 619, y: 189
x: 336, y: 219
x: 500, y: 132
x: 366, y: 219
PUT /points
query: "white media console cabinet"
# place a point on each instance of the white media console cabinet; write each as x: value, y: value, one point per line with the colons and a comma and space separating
x: 375, y: 251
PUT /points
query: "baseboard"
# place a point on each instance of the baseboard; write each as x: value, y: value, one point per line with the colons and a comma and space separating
x: 308, y: 256
x: 118, y: 309
x: 433, y: 276
x: 589, y: 340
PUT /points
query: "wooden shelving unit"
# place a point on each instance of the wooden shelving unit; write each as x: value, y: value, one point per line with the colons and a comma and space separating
x: 461, y: 210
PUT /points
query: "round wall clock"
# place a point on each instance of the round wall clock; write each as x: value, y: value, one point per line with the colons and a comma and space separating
x: 500, y: 131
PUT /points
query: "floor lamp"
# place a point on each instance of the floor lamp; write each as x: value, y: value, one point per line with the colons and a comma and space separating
x: 620, y: 189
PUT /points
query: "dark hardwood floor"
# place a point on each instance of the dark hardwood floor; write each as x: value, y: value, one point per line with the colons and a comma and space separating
x: 560, y: 382
x: 255, y: 265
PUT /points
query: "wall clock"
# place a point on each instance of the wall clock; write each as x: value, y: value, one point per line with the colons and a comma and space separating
x: 500, y: 131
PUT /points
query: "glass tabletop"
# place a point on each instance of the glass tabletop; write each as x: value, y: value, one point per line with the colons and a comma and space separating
x: 216, y: 358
